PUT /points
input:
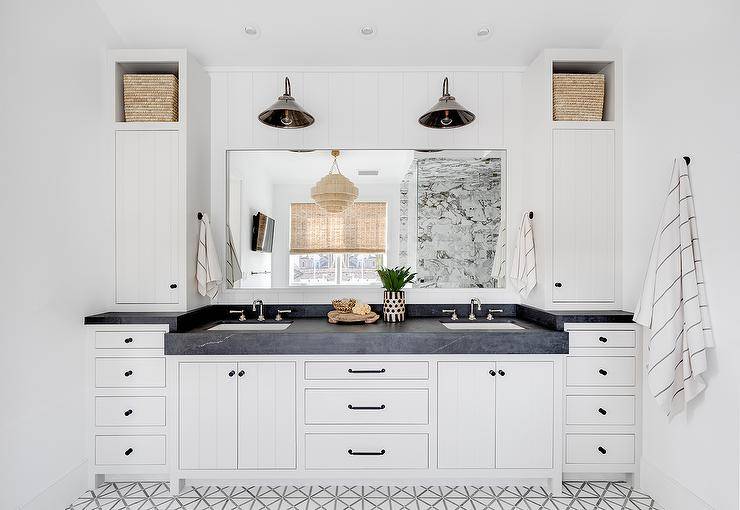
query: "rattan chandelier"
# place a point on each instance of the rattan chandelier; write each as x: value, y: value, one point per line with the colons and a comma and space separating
x: 334, y: 192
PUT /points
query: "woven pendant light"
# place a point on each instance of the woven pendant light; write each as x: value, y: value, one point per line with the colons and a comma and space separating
x: 334, y: 192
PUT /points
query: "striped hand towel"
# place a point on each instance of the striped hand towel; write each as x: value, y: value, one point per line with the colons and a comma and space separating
x: 523, y: 272
x: 233, y: 268
x: 673, y: 305
x: 208, y: 272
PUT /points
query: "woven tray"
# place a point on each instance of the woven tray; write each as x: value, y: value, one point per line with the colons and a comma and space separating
x: 336, y: 317
x: 150, y: 97
x: 577, y: 96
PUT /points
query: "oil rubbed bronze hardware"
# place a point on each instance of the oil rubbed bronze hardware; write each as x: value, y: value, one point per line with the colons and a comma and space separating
x: 492, y: 372
x: 381, y: 452
x: 558, y: 284
x: 128, y: 373
x: 602, y: 339
x: 128, y: 452
x: 352, y: 371
x: 128, y: 412
x: 602, y: 371
x: 501, y: 373
x: 241, y: 373
x: 366, y: 408
x: 602, y: 411
x: 231, y: 373
x: 602, y: 450
x: 173, y: 285
x: 128, y: 340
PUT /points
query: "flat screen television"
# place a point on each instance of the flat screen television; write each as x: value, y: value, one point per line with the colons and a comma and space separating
x: 263, y: 228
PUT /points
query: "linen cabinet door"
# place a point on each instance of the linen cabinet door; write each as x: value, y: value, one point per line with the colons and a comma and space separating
x: 465, y: 414
x: 267, y: 415
x: 146, y: 217
x: 524, y: 414
x: 584, y: 216
x: 208, y: 415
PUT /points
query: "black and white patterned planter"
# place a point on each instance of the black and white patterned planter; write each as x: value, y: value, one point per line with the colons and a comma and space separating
x: 394, y: 306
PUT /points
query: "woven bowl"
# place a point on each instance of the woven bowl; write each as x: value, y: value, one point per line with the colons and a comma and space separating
x: 343, y: 305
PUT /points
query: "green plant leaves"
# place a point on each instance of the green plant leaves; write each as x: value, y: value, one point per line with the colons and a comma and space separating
x: 394, y: 279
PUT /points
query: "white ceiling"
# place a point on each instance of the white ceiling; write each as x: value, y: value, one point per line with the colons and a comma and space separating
x: 326, y: 32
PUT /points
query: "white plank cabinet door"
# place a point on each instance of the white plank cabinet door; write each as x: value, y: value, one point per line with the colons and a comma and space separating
x: 267, y: 415
x: 584, y: 216
x: 524, y: 414
x: 208, y: 402
x: 465, y: 416
x: 146, y: 217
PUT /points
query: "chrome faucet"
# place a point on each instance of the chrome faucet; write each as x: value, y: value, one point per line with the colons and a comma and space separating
x: 491, y: 311
x: 279, y: 317
x: 473, y: 302
x: 242, y: 315
x: 256, y: 302
x: 453, y: 312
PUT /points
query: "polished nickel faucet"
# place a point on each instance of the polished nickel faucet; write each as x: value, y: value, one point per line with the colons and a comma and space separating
x: 473, y: 302
x: 261, y: 316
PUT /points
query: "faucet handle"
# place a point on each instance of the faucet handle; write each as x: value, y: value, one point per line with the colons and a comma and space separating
x: 242, y: 316
x: 491, y: 311
x: 453, y: 312
x: 279, y: 317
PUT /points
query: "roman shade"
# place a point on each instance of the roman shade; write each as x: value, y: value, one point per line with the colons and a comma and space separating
x: 359, y: 229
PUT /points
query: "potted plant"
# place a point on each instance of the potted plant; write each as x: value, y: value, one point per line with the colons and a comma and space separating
x: 394, y: 298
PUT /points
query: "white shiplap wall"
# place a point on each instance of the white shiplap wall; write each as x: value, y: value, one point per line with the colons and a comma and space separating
x: 364, y: 108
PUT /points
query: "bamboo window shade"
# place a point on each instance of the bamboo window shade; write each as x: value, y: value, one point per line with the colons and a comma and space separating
x: 358, y: 229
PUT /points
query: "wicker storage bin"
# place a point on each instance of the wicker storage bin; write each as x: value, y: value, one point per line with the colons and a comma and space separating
x: 577, y: 96
x: 150, y: 97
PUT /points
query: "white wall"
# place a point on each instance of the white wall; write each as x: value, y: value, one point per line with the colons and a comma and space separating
x: 680, y: 97
x: 56, y: 188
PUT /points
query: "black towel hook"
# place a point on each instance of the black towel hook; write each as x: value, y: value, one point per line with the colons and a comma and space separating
x: 687, y: 160
x: 200, y: 215
x: 531, y: 215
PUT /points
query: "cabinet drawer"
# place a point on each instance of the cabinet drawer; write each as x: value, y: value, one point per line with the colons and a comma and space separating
x: 600, y: 410
x: 601, y: 338
x: 135, y: 411
x: 129, y: 372
x: 348, y: 406
x: 134, y: 450
x: 599, y: 449
x: 129, y: 340
x: 600, y: 371
x: 367, y: 451
x: 356, y: 370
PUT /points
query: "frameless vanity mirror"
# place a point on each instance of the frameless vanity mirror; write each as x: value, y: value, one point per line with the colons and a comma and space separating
x: 439, y: 212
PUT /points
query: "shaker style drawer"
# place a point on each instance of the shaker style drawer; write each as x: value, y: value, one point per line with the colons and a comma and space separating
x: 602, y: 338
x: 600, y: 371
x: 129, y: 372
x: 357, y: 370
x: 599, y: 449
x: 134, y: 450
x: 125, y: 411
x: 129, y: 340
x: 369, y: 406
x: 600, y: 410
x: 367, y: 451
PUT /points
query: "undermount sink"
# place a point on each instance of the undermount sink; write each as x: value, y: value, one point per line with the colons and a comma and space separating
x: 489, y: 326
x: 251, y: 326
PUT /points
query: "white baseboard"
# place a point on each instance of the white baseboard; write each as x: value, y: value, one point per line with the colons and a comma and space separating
x: 61, y: 493
x: 667, y: 492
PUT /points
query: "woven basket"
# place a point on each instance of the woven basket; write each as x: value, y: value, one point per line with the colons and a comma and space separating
x: 150, y: 97
x: 577, y: 96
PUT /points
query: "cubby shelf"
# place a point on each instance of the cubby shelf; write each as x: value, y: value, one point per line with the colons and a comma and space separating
x: 147, y: 126
x: 586, y: 124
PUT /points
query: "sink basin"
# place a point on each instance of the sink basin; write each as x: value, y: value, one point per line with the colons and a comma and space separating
x: 251, y: 326
x: 488, y: 326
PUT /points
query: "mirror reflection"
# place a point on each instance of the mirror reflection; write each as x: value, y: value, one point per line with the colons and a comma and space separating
x: 331, y: 218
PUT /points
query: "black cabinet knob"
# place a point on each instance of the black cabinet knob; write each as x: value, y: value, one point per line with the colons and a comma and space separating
x: 602, y: 411
x: 602, y: 339
x: 128, y: 373
x: 602, y: 371
x: 501, y: 373
x: 602, y: 450
x: 492, y: 372
x: 231, y: 373
x: 241, y: 373
x: 128, y: 340
x: 128, y: 412
x: 558, y: 284
x: 173, y: 285
x: 128, y: 452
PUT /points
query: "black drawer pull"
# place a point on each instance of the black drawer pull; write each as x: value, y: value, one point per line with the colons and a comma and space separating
x: 602, y: 371
x: 241, y: 373
x: 128, y: 452
x: 128, y: 340
x: 231, y: 373
x: 128, y: 373
x: 558, y: 284
x: 602, y: 339
x: 602, y: 411
x: 353, y: 371
x: 501, y: 373
x: 381, y: 452
x: 173, y: 285
x: 492, y: 372
x: 128, y: 412
x: 602, y: 450
x: 366, y: 408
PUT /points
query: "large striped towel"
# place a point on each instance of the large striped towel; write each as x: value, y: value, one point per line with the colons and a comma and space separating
x: 208, y: 272
x: 673, y: 305
x: 523, y: 272
x: 233, y: 268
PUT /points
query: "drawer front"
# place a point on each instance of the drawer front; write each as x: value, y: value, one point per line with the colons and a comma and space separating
x: 600, y: 410
x: 134, y: 411
x: 129, y: 340
x: 130, y: 450
x: 357, y: 370
x: 602, y: 338
x: 368, y: 406
x: 600, y: 371
x: 368, y: 451
x: 129, y: 372
x: 599, y: 449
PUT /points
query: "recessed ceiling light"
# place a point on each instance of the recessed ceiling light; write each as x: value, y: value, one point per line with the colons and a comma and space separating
x: 367, y: 31
x: 483, y: 33
x: 252, y: 31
